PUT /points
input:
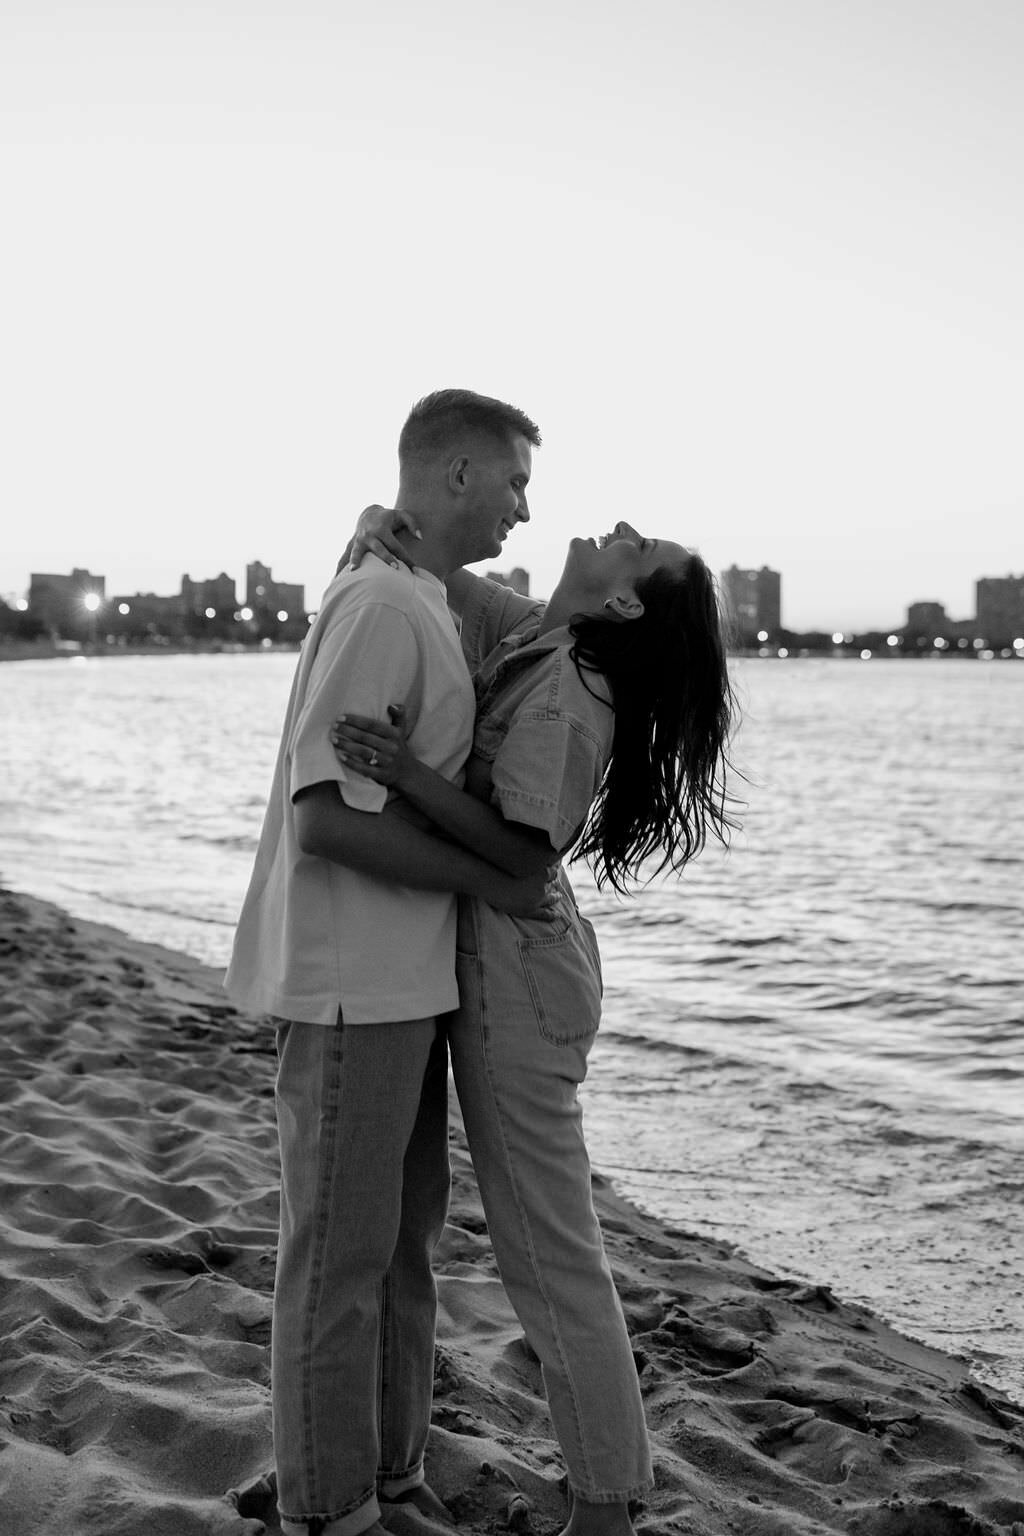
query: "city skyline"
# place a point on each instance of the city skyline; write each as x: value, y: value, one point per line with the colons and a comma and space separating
x: 740, y: 585
x: 753, y: 270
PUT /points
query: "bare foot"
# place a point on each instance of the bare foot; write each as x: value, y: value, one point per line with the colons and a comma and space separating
x: 425, y: 1500
x: 598, y: 1519
x: 376, y: 1529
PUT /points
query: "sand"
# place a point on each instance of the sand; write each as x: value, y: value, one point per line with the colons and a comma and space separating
x: 137, y: 1239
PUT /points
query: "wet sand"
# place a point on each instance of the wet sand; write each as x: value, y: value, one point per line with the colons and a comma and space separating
x: 137, y: 1238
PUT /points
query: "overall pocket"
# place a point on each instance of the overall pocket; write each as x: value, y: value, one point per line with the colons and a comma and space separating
x: 563, y: 973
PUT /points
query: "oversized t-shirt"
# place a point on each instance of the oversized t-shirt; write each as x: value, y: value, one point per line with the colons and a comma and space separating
x: 315, y: 936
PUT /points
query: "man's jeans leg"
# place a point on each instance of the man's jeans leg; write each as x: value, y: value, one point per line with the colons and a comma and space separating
x: 410, y: 1292
x: 352, y: 1102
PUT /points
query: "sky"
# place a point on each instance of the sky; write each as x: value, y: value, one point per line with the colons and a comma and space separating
x: 754, y: 269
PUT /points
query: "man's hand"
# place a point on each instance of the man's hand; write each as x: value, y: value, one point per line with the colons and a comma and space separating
x: 534, y: 895
x: 377, y: 534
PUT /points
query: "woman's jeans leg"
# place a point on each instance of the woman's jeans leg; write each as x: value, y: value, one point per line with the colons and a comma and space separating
x: 518, y: 1057
x: 362, y: 1120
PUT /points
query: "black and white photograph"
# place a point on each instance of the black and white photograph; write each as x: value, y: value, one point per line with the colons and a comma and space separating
x: 511, y: 725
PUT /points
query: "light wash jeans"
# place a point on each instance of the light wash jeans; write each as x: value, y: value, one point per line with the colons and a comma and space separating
x: 530, y: 1003
x: 362, y: 1112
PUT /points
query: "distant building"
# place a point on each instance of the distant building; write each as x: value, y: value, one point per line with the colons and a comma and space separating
x: 136, y: 615
x: 264, y: 595
x: 517, y: 579
x: 65, y: 604
x: 927, y: 619
x: 217, y: 593
x: 1000, y: 608
x: 753, y: 600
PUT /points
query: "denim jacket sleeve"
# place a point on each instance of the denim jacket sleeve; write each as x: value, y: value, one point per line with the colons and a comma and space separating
x: 492, y: 613
x: 551, y: 760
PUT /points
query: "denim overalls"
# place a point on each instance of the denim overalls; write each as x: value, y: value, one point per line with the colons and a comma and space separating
x: 530, y: 1003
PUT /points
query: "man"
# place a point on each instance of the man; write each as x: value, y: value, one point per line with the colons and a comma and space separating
x: 347, y: 938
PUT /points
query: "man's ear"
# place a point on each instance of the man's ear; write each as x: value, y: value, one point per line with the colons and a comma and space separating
x: 458, y: 475
x: 623, y: 607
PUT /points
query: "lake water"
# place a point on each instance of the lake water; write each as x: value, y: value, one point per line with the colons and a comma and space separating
x: 813, y: 1046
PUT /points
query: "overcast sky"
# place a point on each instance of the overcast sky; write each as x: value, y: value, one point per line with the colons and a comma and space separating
x: 755, y: 270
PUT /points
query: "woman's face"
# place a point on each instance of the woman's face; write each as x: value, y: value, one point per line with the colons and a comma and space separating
x: 623, y: 557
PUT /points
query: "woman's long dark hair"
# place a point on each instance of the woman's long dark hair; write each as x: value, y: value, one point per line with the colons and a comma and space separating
x: 665, y: 786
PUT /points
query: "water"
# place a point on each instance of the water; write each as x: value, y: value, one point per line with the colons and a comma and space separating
x: 812, y: 1046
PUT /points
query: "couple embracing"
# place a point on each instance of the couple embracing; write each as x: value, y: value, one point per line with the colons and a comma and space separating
x: 408, y: 902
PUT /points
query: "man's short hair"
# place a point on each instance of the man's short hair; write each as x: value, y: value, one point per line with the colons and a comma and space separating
x: 440, y: 422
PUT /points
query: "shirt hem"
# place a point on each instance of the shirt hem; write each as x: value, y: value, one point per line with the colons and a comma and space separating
x: 356, y: 1007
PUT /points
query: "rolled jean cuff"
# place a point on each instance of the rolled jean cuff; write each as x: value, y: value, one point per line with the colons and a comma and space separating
x: 613, y: 1495
x: 391, y: 1485
x: 353, y: 1523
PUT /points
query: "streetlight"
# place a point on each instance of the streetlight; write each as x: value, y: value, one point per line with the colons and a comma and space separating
x: 91, y: 604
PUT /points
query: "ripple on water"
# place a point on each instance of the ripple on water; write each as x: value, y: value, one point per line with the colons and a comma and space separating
x: 812, y: 1046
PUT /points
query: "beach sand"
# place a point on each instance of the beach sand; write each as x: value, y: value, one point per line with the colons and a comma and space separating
x: 139, y: 1216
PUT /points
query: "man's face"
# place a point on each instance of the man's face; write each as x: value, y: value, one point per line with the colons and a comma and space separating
x: 494, y: 498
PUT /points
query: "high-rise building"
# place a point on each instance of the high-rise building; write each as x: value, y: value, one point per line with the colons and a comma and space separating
x: 65, y: 603
x: 927, y: 619
x: 1000, y: 608
x: 217, y: 593
x: 264, y: 595
x: 753, y: 601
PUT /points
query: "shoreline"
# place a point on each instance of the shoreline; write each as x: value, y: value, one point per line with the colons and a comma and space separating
x: 137, y: 1257
x: 46, y: 650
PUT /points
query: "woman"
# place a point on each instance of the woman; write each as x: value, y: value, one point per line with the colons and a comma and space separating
x: 602, y: 724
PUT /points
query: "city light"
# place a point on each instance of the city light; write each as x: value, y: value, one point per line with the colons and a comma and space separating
x: 782, y: 651
x: 124, y: 608
x: 939, y: 643
x: 245, y: 614
x: 210, y: 613
x: 979, y: 645
x: 1018, y: 644
x: 91, y: 602
x: 762, y: 635
x: 892, y: 639
x: 838, y: 637
x: 865, y: 655
x: 282, y: 615
x: 22, y: 605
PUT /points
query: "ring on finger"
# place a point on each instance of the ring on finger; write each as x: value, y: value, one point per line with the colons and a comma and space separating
x: 374, y: 759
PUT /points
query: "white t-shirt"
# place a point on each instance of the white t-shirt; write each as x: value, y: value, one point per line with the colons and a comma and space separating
x: 314, y: 936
